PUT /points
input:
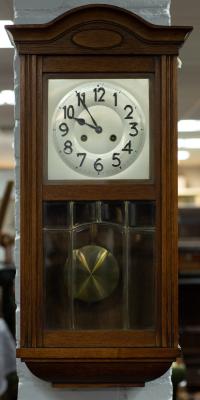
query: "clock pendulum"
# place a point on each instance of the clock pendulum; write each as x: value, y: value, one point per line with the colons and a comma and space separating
x: 96, y: 273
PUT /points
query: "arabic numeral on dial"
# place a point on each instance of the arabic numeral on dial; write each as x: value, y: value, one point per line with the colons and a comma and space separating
x: 65, y: 112
x: 68, y: 112
x: 127, y: 147
x: 133, y: 126
x: 68, y: 147
x: 83, y: 155
x: 129, y: 109
x: 98, y: 166
x: 115, y: 98
x: 116, y: 159
x: 99, y: 94
x: 81, y: 98
x: 64, y: 128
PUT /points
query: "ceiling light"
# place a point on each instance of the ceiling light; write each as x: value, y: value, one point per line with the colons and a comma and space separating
x: 4, y: 40
x: 7, y: 97
x: 189, y: 125
x: 183, y: 155
x: 189, y: 143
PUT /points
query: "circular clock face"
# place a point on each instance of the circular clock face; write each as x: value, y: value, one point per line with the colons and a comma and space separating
x: 98, y: 129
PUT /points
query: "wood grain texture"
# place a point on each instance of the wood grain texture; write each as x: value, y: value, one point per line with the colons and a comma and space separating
x: 164, y: 210
x: 98, y: 191
x: 97, y: 38
x: 39, y: 166
x: 30, y: 204
x: 99, y: 338
x: 97, y: 353
x: 120, y: 373
x: 109, y: 64
x: 174, y: 199
x: 28, y: 241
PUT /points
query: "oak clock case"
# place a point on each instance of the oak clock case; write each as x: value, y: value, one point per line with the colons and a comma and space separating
x: 98, y: 197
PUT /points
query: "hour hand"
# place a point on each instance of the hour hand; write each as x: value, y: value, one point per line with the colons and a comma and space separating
x: 81, y: 121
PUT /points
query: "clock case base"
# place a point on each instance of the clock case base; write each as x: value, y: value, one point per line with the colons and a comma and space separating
x: 133, y: 373
x: 100, y: 372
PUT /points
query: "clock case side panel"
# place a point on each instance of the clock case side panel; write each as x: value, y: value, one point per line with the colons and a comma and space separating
x: 168, y: 200
x: 30, y: 200
x: 164, y: 138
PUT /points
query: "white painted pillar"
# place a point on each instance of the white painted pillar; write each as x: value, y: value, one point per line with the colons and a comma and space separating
x: 30, y: 387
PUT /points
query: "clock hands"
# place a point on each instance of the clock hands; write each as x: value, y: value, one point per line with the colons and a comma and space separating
x: 81, y: 122
x: 97, y: 128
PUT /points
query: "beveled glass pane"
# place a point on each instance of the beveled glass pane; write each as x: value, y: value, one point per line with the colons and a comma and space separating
x: 56, y: 214
x: 141, y: 213
x: 98, y: 278
x: 141, y: 283
x: 57, y: 276
x: 100, y: 275
x: 113, y: 211
x: 84, y: 212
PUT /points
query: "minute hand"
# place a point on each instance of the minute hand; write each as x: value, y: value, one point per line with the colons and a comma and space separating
x: 84, y: 105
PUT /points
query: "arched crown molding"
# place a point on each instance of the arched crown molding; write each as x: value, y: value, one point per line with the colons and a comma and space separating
x: 96, y: 29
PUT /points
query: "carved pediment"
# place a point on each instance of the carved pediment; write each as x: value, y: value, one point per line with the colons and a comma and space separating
x: 97, y: 29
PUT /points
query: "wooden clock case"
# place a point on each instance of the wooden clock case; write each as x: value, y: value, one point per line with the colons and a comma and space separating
x: 105, y: 41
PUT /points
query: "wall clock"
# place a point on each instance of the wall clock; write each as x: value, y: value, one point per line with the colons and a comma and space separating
x: 98, y: 197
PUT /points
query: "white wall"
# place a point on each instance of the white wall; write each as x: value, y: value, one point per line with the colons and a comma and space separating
x: 38, y: 11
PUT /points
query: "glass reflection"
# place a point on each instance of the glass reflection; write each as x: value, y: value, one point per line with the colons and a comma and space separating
x: 141, y: 283
x: 57, y: 293
x: 113, y: 211
x: 56, y: 214
x: 84, y: 212
x: 141, y: 213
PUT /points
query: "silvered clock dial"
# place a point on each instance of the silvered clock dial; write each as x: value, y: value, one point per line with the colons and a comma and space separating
x: 98, y: 129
